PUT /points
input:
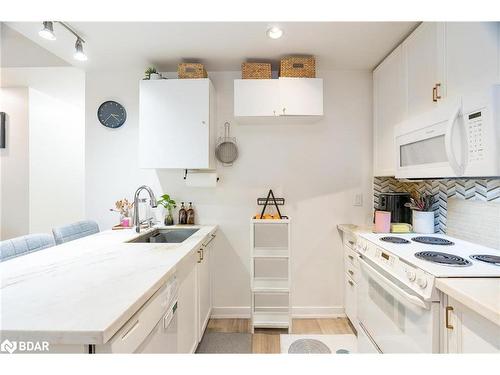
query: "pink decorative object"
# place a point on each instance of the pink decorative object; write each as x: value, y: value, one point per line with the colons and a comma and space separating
x: 382, y: 221
x: 125, y: 222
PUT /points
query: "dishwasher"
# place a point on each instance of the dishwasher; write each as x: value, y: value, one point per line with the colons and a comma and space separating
x: 152, y: 329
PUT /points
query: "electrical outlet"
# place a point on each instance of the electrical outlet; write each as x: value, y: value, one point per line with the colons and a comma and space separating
x: 358, y: 200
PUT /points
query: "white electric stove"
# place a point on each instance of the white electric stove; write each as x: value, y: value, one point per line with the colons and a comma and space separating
x: 398, y: 304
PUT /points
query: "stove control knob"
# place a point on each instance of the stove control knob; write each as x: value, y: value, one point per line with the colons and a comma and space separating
x: 422, y: 283
x: 365, y: 247
x: 411, y: 275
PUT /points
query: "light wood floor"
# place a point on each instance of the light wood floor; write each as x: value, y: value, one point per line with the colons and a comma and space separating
x: 268, y: 340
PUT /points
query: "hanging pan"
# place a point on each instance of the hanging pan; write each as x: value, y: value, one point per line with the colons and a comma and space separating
x: 226, y: 151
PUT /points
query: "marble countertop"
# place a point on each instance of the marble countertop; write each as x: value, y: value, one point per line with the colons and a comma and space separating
x: 481, y: 295
x: 83, y: 291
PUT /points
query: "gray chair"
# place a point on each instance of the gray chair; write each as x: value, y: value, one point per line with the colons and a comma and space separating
x: 23, y: 245
x: 75, y: 231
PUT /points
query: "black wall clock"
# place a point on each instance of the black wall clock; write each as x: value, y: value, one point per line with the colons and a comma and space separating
x: 111, y: 114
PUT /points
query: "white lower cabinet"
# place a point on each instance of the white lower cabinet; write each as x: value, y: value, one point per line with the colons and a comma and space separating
x: 204, y: 286
x: 188, y: 304
x: 351, y: 268
x: 465, y: 331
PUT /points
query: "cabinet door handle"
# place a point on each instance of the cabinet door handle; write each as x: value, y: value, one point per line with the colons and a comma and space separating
x: 350, y: 282
x: 447, y: 318
x: 199, y: 256
x: 351, y: 242
x: 350, y: 257
x: 438, y: 95
x: 201, y: 253
x: 284, y: 109
x: 274, y: 112
x: 434, y: 94
x: 350, y: 272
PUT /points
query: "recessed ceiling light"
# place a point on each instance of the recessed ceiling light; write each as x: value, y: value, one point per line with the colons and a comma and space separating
x: 79, y: 54
x: 48, y: 31
x: 274, y: 32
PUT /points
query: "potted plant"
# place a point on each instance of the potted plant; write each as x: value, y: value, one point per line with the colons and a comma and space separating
x: 151, y: 73
x: 423, y: 215
x: 169, y: 204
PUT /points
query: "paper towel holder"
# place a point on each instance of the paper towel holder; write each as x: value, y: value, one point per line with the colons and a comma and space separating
x: 186, y: 173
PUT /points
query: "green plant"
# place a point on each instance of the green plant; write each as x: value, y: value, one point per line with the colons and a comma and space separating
x: 149, y: 71
x: 166, y: 202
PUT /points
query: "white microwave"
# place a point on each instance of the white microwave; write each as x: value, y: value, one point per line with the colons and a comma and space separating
x: 460, y: 138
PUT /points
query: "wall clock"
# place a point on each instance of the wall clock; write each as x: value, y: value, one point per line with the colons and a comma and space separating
x: 111, y: 114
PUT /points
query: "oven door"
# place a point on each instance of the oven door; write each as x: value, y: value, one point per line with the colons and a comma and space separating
x: 396, y: 319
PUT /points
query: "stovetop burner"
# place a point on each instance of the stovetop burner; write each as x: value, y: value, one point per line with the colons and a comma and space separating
x: 487, y: 258
x: 432, y: 240
x: 392, y: 239
x: 443, y: 258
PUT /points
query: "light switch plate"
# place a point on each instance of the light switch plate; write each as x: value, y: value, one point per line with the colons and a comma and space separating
x: 358, y: 200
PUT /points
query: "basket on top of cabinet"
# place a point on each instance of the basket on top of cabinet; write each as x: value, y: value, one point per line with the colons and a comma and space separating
x: 298, y: 66
x: 255, y: 70
x: 191, y: 70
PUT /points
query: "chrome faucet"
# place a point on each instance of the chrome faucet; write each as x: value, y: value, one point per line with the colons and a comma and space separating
x: 152, y: 202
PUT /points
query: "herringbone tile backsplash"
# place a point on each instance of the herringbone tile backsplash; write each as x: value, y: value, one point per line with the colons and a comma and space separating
x: 487, y: 190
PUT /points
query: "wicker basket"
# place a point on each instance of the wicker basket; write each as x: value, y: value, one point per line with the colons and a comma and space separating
x: 250, y: 70
x: 191, y: 70
x: 298, y: 67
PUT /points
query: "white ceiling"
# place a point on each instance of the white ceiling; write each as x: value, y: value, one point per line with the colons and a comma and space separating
x: 222, y: 45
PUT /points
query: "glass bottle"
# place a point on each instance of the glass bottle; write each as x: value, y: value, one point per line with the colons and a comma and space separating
x: 190, y: 214
x: 182, y: 214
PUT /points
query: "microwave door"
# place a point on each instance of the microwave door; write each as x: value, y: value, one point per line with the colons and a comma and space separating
x: 455, y: 142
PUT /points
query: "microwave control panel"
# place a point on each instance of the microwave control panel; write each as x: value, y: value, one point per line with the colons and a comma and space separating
x: 475, y: 135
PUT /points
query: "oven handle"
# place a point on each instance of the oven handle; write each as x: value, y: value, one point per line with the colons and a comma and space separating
x: 390, y: 285
x: 458, y: 168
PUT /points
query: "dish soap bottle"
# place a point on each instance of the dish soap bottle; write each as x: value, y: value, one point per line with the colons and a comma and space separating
x: 190, y: 214
x: 182, y: 214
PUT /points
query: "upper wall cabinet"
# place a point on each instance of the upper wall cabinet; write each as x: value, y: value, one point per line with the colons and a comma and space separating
x: 176, y: 124
x: 389, y: 108
x: 437, y: 61
x: 278, y: 97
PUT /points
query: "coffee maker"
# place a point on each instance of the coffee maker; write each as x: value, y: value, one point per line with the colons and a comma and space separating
x: 395, y: 204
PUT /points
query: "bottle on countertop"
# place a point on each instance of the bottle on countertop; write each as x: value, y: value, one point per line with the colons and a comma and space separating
x: 190, y: 214
x: 182, y: 214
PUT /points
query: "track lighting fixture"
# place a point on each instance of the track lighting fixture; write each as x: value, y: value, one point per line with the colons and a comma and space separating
x: 47, y: 32
x: 79, y: 54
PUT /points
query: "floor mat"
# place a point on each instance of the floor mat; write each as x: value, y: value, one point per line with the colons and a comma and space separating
x: 318, y: 344
x: 218, y: 342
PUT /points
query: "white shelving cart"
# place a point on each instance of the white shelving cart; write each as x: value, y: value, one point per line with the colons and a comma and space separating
x: 270, y: 273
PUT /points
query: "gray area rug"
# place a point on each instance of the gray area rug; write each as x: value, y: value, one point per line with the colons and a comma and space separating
x: 218, y: 342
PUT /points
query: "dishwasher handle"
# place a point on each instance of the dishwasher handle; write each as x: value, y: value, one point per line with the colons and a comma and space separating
x: 388, y: 284
x: 167, y: 318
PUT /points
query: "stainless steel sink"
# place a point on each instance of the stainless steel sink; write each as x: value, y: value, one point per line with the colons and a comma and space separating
x: 166, y: 235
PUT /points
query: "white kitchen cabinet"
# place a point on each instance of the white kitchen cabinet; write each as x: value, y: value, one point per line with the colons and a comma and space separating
x: 204, y: 285
x: 278, y: 97
x: 471, y: 56
x: 187, y: 312
x: 256, y: 97
x: 177, y: 124
x: 465, y: 331
x: 389, y: 109
x: 423, y: 51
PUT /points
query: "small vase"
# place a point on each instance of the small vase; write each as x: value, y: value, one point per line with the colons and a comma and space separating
x: 169, y: 219
x: 423, y: 221
x: 154, y: 76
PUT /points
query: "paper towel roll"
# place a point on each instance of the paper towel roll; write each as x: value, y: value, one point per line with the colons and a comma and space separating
x: 201, y: 179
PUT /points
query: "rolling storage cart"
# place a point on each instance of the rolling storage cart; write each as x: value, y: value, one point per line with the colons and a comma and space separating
x: 270, y: 273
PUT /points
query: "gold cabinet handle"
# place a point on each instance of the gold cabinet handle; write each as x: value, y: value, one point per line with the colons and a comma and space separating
x: 199, y: 256
x: 350, y: 282
x: 201, y: 253
x: 350, y: 257
x: 438, y: 95
x: 351, y: 242
x: 448, y: 309
x: 350, y: 272
x: 434, y: 94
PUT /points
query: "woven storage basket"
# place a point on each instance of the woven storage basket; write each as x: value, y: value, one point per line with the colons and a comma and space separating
x: 298, y: 67
x: 191, y: 70
x: 255, y: 70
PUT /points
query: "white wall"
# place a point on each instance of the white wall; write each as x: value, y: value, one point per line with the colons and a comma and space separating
x: 56, y: 127
x: 14, y: 164
x: 317, y: 167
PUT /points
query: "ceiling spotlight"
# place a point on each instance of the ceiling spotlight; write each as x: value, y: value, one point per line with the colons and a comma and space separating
x: 48, y: 31
x: 274, y: 32
x: 79, y: 54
